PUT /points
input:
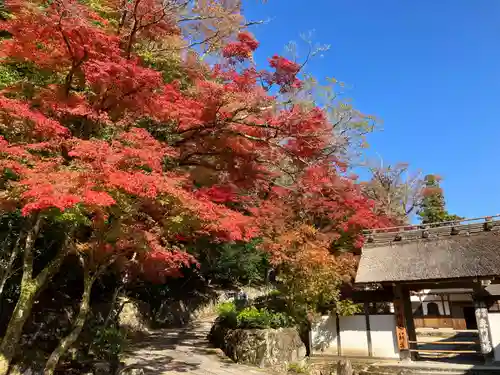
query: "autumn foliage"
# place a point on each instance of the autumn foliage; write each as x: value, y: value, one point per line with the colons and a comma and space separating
x: 104, y: 140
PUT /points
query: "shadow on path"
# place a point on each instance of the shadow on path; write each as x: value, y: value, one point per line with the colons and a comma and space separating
x: 182, y: 351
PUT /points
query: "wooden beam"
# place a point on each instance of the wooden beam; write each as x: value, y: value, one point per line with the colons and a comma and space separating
x: 444, y: 342
x: 444, y: 351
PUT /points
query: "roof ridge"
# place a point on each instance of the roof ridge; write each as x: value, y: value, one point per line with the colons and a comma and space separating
x: 379, y: 236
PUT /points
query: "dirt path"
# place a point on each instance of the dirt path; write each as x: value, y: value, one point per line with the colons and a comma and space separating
x: 183, y: 351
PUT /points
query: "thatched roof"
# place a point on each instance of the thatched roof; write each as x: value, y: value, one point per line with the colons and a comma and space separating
x: 464, y: 249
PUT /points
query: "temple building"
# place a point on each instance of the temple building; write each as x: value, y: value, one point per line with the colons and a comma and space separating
x: 415, y: 281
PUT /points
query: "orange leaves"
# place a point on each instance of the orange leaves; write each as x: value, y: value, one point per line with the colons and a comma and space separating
x: 305, y: 225
x: 430, y: 191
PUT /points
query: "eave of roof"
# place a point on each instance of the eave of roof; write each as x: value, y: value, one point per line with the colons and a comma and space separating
x: 458, y: 250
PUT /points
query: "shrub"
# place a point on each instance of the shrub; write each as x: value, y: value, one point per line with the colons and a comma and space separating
x: 109, y: 343
x: 227, y: 314
x: 298, y: 368
x: 252, y: 317
x: 226, y: 308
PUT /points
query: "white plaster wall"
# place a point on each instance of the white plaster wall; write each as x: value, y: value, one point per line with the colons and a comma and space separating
x: 447, y: 310
x: 353, y: 340
x: 383, y: 334
x: 324, y: 336
x: 494, y: 319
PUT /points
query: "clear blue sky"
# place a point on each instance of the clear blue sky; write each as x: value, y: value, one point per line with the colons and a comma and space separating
x: 430, y: 69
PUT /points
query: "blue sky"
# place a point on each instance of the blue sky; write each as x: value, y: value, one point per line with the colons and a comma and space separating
x: 430, y: 69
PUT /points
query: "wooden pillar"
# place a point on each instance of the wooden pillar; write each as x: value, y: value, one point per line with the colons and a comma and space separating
x: 368, y: 329
x: 483, y: 324
x: 405, y: 327
x: 339, y: 342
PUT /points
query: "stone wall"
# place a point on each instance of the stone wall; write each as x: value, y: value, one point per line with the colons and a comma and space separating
x: 178, y: 313
x: 134, y: 317
x: 259, y: 347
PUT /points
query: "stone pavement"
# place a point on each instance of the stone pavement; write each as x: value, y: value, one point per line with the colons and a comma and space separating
x: 183, y: 351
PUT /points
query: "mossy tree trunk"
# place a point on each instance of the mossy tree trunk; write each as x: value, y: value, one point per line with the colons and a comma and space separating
x: 91, y: 272
x: 66, y: 342
x: 7, y: 271
x: 30, y: 289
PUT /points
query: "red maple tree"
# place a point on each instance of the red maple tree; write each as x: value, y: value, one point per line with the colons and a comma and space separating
x: 105, y: 142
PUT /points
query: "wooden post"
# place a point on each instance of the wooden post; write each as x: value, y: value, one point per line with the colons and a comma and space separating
x: 483, y: 324
x: 368, y: 330
x: 339, y: 343
x: 405, y: 327
x: 410, y: 323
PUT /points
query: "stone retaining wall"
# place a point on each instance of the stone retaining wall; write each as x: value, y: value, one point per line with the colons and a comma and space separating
x: 259, y: 347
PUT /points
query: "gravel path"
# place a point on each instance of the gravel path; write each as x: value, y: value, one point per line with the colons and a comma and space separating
x: 183, y: 351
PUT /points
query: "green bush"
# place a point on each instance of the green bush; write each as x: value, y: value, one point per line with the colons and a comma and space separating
x: 251, y: 317
x: 109, y: 343
x: 298, y: 368
x: 225, y: 308
x: 228, y: 314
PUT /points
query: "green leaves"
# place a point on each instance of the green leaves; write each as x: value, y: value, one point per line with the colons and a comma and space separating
x: 252, y: 317
x: 432, y: 208
x: 347, y: 308
x: 8, y: 75
x: 75, y: 216
x: 233, y: 263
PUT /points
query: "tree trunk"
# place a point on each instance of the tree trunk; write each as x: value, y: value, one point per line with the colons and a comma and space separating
x: 66, y: 342
x: 111, y: 314
x: 15, y: 328
x: 30, y: 288
x: 7, y: 272
x: 111, y: 311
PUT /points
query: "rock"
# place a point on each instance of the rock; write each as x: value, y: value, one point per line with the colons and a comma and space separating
x: 344, y: 367
x: 259, y: 347
x: 101, y: 368
x: 133, y: 317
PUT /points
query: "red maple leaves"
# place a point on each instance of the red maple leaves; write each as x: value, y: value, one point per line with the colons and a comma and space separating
x: 92, y: 137
x: 242, y: 49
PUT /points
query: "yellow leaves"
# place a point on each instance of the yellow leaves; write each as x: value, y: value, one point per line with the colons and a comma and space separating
x: 177, y: 219
x: 308, y: 230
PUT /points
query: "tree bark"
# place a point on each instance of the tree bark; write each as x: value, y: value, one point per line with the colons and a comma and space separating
x: 24, y: 304
x: 30, y: 289
x: 7, y: 272
x: 15, y: 328
x: 66, y: 342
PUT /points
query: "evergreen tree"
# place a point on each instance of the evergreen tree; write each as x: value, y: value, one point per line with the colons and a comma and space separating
x: 432, y: 208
